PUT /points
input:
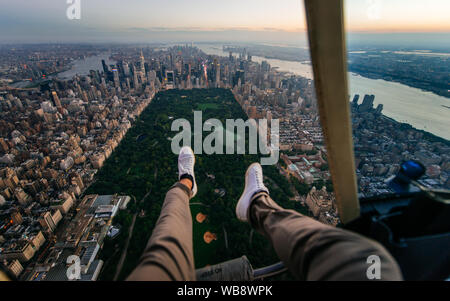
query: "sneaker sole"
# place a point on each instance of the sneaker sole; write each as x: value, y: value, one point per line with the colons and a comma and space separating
x: 239, y: 204
x: 194, y: 185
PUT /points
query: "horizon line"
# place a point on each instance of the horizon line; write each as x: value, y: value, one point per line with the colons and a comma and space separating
x: 269, y: 29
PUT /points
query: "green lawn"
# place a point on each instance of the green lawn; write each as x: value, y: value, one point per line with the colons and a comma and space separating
x: 204, y: 254
x: 204, y: 106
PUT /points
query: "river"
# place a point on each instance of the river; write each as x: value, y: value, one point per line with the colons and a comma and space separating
x: 79, y: 67
x: 83, y: 66
x: 421, y: 109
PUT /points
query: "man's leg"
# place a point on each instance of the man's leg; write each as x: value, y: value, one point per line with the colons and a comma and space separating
x: 315, y: 251
x: 169, y: 253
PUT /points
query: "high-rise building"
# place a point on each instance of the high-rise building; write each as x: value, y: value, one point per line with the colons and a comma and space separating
x: 15, y: 267
x: 142, y: 63
x: 3, y: 145
x: 56, y: 100
x: 135, y: 78
x: 105, y: 67
x: 16, y: 217
x: 170, y: 80
x: 252, y: 113
x: 116, y: 78
x: 126, y: 69
x: 22, y: 197
x: 217, y: 72
x: 46, y: 221
x: 18, y: 103
x: 367, y: 103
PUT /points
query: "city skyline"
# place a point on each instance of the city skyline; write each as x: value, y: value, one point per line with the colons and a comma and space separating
x: 85, y: 160
x: 199, y: 20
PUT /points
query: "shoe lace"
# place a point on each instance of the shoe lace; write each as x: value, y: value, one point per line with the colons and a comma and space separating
x: 188, y: 162
x: 259, y: 179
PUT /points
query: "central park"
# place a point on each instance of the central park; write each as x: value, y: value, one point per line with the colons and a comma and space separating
x: 144, y: 167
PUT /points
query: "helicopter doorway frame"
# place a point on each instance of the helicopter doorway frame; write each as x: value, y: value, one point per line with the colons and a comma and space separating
x: 326, y: 35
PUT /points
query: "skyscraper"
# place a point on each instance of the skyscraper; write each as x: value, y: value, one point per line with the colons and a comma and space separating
x: 105, y: 67
x: 116, y: 78
x: 56, y: 99
x: 135, y: 77
x: 170, y: 80
x: 217, y: 76
x: 16, y: 217
x: 126, y: 69
x: 47, y: 222
x: 142, y: 63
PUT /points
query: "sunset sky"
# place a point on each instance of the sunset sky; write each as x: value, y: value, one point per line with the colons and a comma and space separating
x: 45, y: 20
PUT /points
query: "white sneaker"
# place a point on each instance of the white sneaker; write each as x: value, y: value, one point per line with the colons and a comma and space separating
x: 186, y: 162
x: 253, y: 184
